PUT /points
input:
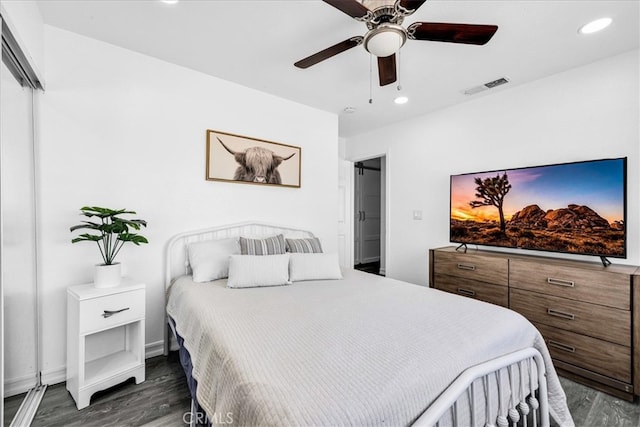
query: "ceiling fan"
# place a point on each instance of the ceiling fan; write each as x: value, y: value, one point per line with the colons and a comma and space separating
x: 386, y: 35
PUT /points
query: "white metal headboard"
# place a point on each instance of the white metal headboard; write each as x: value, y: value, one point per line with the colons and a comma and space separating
x: 177, y: 260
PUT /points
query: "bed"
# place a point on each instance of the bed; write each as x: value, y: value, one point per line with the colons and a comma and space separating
x: 359, y: 350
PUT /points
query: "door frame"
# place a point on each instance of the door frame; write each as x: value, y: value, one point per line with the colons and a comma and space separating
x: 386, y: 211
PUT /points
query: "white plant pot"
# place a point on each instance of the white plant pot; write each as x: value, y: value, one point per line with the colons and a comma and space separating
x: 107, y: 276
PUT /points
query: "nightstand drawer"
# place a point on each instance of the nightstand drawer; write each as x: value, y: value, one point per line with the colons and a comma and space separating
x: 105, y: 312
x: 476, y: 267
x: 606, y: 323
x: 494, y: 294
x: 605, y: 358
x: 594, y: 285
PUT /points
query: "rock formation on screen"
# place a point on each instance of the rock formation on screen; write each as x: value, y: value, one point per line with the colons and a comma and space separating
x: 571, y: 217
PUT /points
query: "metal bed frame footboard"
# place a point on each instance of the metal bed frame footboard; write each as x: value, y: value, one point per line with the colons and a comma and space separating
x: 521, y: 399
x: 517, y: 379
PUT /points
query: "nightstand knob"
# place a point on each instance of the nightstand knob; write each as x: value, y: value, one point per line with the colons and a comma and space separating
x: 109, y: 313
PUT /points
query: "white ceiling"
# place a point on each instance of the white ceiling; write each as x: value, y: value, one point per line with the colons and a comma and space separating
x: 255, y: 43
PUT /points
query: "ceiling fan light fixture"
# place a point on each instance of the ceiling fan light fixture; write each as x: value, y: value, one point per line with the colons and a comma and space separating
x: 385, y: 40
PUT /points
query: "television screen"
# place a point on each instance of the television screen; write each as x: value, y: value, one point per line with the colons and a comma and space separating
x: 574, y: 208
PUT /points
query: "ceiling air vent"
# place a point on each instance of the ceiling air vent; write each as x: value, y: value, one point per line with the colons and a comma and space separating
x: 488, y: 85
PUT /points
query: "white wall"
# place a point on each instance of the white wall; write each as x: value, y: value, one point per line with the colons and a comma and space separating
x: 588, y: 112
x: 123, y: 130
x: 345, y: 207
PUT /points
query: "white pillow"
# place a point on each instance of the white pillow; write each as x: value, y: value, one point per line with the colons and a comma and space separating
x: 251, y: 271
x: 314, y: 266
x: 210, y: 260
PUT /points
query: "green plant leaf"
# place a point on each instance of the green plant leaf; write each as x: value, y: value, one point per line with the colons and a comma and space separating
x: 133, y: 238
x: 103, y: 212
x: 86, y: 224
x: 114, y: 231
x: 87, y: 237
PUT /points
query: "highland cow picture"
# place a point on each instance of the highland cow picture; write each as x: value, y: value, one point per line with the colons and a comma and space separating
x: 243, y: 159
x: 572, y: 207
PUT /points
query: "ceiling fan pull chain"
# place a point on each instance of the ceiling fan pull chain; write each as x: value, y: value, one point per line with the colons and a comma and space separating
x: 399, y: 72
x: 370, y: 78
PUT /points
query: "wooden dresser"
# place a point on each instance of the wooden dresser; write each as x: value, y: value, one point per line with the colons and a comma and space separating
x: 585, y: 311
x: 476, y: 275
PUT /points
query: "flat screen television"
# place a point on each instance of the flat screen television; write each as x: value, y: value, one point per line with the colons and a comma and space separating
x: 577, y: 208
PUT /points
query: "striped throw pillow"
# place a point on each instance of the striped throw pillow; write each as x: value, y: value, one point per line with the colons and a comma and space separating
x: 269, y: 246
x: 310, y: 245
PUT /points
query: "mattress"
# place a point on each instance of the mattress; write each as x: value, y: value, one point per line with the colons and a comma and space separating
x: 364, y: 350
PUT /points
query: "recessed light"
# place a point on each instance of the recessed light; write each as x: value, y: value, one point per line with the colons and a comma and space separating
x: 170, y: 1
x: 595, y: 26
x: 349, y: 110
x: 401, y: 100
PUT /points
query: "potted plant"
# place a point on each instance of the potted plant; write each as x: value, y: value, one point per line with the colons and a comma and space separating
x: 112, y: 233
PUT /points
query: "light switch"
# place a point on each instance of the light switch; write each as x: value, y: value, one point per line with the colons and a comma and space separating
x: 417, y: 215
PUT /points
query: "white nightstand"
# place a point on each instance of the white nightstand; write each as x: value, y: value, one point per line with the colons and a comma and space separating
x: 105, y: 337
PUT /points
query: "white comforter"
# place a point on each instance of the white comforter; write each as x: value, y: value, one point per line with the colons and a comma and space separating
x: 364, y: 350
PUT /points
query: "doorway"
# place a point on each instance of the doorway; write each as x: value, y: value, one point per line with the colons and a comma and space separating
x: 369, y: 201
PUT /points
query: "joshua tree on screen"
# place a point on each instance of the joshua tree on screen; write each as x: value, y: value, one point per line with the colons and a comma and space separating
x: 491, y: 191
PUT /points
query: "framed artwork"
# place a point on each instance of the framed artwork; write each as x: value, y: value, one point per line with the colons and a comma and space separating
x: 242, y: 159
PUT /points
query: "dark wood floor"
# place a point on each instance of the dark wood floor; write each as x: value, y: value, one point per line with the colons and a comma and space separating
x: 591, y: 408
x: 163, y: 400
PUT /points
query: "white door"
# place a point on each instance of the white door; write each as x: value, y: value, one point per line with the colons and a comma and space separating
x: 367, y: 211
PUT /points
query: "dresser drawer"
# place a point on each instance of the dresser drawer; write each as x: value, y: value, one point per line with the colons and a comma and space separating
x: 605, y: 358
x: 606, y: 323
x: 494, y: 294
x: 476, y: 267
x: 126, y: 307
x: 589, y: 285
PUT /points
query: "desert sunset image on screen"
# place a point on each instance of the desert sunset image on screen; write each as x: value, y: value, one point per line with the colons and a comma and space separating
x: 572, y: 207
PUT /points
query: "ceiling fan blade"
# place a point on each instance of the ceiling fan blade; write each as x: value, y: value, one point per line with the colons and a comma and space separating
x: 351, y: 7
x: 452, y: 33
x: 329, y: 52
x: 387, y: 69
x: 409, y: 6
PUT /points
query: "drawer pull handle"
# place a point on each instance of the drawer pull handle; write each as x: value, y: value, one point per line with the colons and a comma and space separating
x: 109, y: 313
x: 563, y: 347
x: 561, y: 282
x: 470, y: 267
x: 562, y: 314
x: 466, y: 292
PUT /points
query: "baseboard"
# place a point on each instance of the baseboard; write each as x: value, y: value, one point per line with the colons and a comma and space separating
x: 14, y: 386
x: 154, y: 349
x: 54, y: 376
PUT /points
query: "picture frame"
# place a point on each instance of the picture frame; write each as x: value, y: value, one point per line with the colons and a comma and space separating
x: 247, y: 160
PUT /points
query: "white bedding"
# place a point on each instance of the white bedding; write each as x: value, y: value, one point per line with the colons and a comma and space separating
x: 365, y: 350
